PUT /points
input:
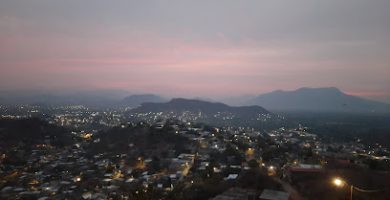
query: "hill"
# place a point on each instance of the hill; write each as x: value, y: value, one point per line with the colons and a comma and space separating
x: 19, y: 137
x: 318, y: 100
x: 205, y: 107
x: 203, y: 111
x: 31, y: 131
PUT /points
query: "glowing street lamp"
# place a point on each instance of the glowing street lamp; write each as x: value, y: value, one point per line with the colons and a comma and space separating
x: 271, y: 171
x: 338, y: 182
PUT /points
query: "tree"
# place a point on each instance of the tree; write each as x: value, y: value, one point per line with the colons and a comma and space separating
x: 253, y: 164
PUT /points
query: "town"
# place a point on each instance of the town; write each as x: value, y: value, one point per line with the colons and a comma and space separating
x: 170, y: 156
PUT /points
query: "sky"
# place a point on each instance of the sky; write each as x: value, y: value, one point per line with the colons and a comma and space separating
x: 196, y: 48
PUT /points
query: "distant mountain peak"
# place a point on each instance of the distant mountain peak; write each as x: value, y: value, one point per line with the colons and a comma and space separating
x: 181, y: 104
x: 192, y: 101
x: 328, y: 89
x: 308, y: 90
x: 205, y: 111
x: 324, y: 99
x: 180, y: 99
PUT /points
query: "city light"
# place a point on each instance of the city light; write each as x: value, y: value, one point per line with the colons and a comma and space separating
x: 77, y: 179
x: 338, y: 182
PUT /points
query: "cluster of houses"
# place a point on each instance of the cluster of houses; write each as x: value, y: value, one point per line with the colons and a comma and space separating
x: 52, y: 173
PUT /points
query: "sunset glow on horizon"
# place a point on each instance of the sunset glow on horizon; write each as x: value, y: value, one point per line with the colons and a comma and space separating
x: 195, y: 49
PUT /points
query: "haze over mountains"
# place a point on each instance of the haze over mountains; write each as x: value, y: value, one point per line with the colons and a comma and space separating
x: 329, y: 99
x: 93, y: 98
x: 99, y: 99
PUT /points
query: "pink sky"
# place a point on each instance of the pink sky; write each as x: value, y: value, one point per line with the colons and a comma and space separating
x: 184, y: 58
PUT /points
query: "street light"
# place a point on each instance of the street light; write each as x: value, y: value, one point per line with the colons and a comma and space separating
x: 339, y: 182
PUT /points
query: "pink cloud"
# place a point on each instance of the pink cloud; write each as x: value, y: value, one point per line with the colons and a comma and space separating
x: 152, y: 63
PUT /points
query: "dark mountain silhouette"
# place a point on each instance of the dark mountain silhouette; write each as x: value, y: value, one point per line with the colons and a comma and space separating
x: 210, y: 108
x: 136, y: 100
x: 318, y: 100
x: 217, y: 114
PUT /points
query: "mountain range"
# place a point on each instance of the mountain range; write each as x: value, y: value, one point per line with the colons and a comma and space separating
x: 218, y: 114
x: 328, y: 99
x: 205, y: 107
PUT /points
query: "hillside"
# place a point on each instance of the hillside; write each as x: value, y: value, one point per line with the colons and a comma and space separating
x: 30, y: 132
